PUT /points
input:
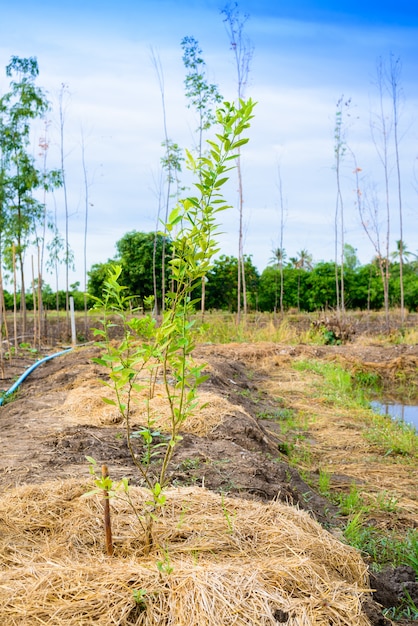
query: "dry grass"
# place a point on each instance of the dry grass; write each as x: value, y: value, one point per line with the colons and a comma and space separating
x: 233, y: 562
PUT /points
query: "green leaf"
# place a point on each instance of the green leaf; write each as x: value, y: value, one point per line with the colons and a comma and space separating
x: 109, y: 401
x: 239, y: 143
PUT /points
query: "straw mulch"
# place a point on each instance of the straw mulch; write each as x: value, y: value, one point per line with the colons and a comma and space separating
x: 225, y: 561
x: 84, y: 405
x: 81, y: 402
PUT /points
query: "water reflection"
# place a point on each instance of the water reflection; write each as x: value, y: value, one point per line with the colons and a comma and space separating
x: 406, y: 413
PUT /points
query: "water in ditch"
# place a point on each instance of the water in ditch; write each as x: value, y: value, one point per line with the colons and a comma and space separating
x: 404, y: 412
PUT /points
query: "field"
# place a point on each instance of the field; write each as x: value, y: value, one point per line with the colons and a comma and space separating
x: 282, y: 468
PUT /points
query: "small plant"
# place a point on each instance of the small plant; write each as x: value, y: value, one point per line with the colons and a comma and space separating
x: 148, y: 351
x: 164, y: 565
x: 351, y: 502
x: 383, y: 549
x: 140, y: 598
x: 6, y: 397
x: 411, y: 550
x: 227, y: 515
x: 190, y: 464
x: 28, y: 348
x: 407, y: 610
x: 355, y: 534
x: 324, y: 482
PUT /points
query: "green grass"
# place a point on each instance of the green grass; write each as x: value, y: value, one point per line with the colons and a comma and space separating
x: 222, y: 327
x: 351, y: 502
x: 393, y: 437
x: 337, y: 386
x: 383, y: 548
x: 324, y: 483
x: 334, y: 383
x: 278, y: 415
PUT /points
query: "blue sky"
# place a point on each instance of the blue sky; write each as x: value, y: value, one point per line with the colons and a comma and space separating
x: 306, y: 55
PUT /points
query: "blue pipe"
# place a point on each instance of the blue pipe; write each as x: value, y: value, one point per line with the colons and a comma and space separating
x: 29, y: 371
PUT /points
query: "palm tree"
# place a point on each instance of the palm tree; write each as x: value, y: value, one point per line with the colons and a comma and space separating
x: 279, y: 255
x: 305, y: 259
x: 402, y: 251
x: 302, y: 261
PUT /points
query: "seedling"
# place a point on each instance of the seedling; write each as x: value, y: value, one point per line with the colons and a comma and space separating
x: 148, y: 350
x: 164, y: 565
x: 140, y: 596
x: 227, y: 515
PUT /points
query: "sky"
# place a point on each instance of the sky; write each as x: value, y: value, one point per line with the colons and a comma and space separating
x: 306, y: 56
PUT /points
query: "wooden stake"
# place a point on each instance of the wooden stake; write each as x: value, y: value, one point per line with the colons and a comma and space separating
x: 107, y: 521
x: 14, y: 299
x: 35, y: 317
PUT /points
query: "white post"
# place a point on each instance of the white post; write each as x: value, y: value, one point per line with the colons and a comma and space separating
x: 73, y: 333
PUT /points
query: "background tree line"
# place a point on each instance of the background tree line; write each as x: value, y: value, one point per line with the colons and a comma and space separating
x: 307, y: 285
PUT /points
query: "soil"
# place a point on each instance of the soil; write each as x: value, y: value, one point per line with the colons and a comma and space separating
x: 244, y: 454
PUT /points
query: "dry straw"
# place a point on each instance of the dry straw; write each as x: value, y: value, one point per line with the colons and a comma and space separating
x: 224, y: 562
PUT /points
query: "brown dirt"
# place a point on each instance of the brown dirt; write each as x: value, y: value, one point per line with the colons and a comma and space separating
x: 57, y: 419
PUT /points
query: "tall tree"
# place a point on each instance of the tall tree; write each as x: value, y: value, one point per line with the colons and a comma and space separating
x: 369, y: 211
x: 301, y: 262
x: 393, y: 81
x: 279, y: 255
x: 87, y: 205
x: 135, y: 256
x: 63, y: 103
x: 243, y: 50
x: 21, y: 211
x: 381, y: 129
x: 171, y: 163
x: 402, y: 252
x: 340, y: 148
x: 203, y: 97
x: 281, y: 235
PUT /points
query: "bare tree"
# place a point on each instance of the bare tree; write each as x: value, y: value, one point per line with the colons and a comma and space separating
x: 282, y: 216
x: 203, y: 96
x: 87, y: 205
x: 62, y: 106
x: 279, y: 255
x: 171, y: 163
x: 393, y: 81
x: 368, y: 208
x: 243, y: 51
x: 340, y: 148
x: 381, y: 128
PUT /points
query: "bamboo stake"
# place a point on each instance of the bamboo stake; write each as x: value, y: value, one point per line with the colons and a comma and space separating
x: 107, y: 521
x: 35, y: 318
x: 41, y: 329
x: 2, y: 321
x: 14, y: 298
x: 4, y: 318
